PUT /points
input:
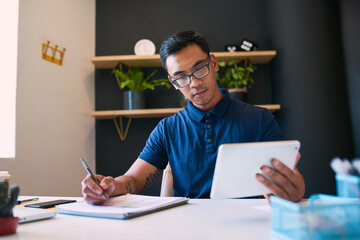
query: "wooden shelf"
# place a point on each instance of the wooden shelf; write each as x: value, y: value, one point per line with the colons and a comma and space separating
x: 106, y: 62
x: 152, y: 113
x: 256, y: 57
x: 137, y: 113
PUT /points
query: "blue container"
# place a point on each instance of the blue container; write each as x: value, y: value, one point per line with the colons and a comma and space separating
x: 348, y: 185
x: 322, y: 217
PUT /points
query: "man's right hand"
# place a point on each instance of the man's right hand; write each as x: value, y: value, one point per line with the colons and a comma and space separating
x: 93, y: 193
x: 139, y: 177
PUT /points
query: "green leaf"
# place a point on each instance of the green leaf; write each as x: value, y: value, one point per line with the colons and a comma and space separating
x: 134, y: 79
x: 235, y: 74
x: 222, y: 64
x: 232, y: 62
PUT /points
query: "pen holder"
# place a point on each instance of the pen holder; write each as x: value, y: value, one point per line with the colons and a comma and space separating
x: 8, y: 225
x: 347, y: 186
x: 322, y: 217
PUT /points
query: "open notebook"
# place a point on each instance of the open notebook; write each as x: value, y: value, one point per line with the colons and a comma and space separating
x: 122, y: 207
x: 31, y: 214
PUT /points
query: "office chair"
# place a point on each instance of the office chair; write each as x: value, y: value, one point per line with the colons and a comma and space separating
x: 167, y: 183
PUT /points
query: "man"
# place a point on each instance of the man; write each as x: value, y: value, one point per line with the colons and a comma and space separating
x: 189, y: 139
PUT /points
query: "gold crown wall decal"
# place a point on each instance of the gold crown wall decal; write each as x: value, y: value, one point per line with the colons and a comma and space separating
x: 52, y: 54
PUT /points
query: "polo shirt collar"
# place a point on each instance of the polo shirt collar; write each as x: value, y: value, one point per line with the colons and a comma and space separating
x: 218, y: 110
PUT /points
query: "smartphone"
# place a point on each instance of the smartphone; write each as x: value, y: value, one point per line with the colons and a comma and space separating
x: 49, y: 204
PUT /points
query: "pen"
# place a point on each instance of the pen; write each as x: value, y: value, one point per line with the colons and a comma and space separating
x: 92, y: 176
x: 26, y: 200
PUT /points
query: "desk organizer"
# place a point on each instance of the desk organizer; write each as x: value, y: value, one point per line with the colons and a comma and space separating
x: 348, y: 185
x: 322, y: 217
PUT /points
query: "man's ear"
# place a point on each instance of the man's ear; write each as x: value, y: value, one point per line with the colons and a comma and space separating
x: 214, y: 62
x: 173, y: 84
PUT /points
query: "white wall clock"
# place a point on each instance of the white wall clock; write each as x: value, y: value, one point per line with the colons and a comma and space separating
x: 144, y: 47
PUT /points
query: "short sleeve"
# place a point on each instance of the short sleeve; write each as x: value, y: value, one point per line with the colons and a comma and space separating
x: 154, y: 151
x: 271, y: 130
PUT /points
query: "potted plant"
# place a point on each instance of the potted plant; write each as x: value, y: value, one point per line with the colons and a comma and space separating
x: 236, y: 77
x: 136, y: 83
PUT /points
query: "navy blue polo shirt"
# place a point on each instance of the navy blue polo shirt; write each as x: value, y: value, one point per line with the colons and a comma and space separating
x: 190, y: 139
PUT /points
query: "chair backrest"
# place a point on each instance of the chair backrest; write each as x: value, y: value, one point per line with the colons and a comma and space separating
x: 167, y: 183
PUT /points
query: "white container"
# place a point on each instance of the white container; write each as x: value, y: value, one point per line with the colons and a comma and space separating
x: 5, y: 175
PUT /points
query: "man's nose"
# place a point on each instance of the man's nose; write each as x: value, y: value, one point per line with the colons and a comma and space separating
x: 195, y: 82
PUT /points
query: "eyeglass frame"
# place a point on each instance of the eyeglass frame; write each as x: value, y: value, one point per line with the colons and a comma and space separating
x: 191, y: 75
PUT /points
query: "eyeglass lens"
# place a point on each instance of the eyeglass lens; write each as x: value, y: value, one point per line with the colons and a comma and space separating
x: 199, y: 73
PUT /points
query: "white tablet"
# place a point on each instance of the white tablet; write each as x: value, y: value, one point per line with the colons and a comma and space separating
x: 237, y: 164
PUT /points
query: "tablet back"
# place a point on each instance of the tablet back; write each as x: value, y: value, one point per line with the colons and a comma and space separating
x: 237, y: 165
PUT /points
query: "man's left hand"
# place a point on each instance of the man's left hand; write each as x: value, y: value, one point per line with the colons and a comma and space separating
x: 290, y: 183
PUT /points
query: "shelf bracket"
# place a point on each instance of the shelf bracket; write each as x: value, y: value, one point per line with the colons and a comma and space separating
x: 119, y: 121
x: 117, y: 78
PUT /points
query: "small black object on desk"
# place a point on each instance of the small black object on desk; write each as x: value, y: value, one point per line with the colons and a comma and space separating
x: 26, y: 200
x: 49, y: 204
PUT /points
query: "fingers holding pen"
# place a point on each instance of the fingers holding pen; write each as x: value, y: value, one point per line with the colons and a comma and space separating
x: 91, y: 191
x: 91, y: 184
x: 90, y: 196
x: 108, y: 185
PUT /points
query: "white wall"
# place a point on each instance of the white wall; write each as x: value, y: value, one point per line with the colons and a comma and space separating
x: 54, y: 128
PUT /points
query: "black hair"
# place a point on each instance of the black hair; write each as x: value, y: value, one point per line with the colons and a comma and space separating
x: 180, y: 40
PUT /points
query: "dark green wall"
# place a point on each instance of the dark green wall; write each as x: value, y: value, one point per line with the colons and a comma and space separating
x: 307, y: 77
x: 350, y: 22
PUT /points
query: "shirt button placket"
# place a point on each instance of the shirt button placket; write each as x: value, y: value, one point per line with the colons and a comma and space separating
x: 209, y: 135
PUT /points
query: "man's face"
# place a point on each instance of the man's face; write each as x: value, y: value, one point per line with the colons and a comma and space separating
x: 204, y: 93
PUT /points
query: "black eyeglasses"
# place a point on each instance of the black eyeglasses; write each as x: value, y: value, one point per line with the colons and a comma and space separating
x: 198, y: 74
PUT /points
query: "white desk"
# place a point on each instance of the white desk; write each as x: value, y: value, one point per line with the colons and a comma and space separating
x: 200, y: 219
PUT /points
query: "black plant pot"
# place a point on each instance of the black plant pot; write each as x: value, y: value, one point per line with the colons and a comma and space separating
x: 183, y: 101
x: 134, y: 100
x: 238, y: 94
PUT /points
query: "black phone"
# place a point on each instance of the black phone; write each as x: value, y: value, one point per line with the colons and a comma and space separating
x: 49, y: 204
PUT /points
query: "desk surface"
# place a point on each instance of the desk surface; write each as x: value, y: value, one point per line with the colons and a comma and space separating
x: 200, y: 219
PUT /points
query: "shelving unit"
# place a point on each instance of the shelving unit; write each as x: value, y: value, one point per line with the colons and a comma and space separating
x: 106, y: 62
x: 118, y: 115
